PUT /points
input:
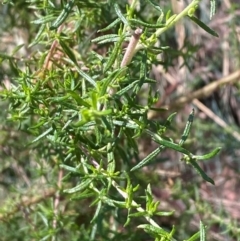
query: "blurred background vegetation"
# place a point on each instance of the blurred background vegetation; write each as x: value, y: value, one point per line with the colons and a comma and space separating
x: 194, y: 60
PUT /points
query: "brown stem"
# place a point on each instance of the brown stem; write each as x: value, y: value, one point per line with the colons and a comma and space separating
x: 131, y: 47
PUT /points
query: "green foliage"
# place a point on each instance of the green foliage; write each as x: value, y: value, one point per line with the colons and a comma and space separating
x: 80, y: 112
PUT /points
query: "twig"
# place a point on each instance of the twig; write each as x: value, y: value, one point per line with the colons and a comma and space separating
x: 127, y: 58
x: 201, y: 93
x: 207, y: 90
x: 169, y: 24
x: 53, y: 46
x: 216, y: 119
x: 46, y: 64
x: 131, y: 47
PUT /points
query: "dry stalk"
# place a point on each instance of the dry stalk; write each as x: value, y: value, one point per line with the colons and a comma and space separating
x: 127, y: 58
x: 216, y: 119
x: 198, y: 94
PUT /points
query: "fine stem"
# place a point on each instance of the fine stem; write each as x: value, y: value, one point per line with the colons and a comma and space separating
x: 131, y: 47
x: 179, y: 16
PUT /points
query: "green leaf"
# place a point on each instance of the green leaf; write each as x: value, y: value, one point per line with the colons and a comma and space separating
x: 155, y: 231
x: 170, y: 19
x: 203, y: 26
x: 63, y: 15
x: 194, y: 237
x: 78, y: 99
x: 200, y: 171
x: 109, y: 81
x: 39, y: 124
x: 168, y: 144
x: 67, y: 51
x: 43, y: 20
x: 169, y: 120
x: 96, y: 214
x: 138, y: 214
x: 147, y: 159
x: 111, y: 25
x: 114, y: 54
x: 155, y: 5
x: 126, y: 123
x: 101, y: 113
x: 69, y: 168
x: 128, y: 219
x: 106, y: 38
x: 83, y: 195
x: 14, y: 67
x: 42, y: 135
x: 209, y: 155
x: 187, y: 128
x: 119, y: 13
x: 212, y: 8
x: 80, y: 187
x: 202, y: 232
x: 136, y: 22
x: 57, y: 99
x: 83, y: 74
x: 132, y: 143
x: 168, y: 15
x: 113, y: 203
x: 165, y: 214
x: 126, y: 89
x: 15, y: 50
x: 38, y: 35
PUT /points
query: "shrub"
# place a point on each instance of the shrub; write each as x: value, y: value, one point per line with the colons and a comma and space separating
x: 82, y: 104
